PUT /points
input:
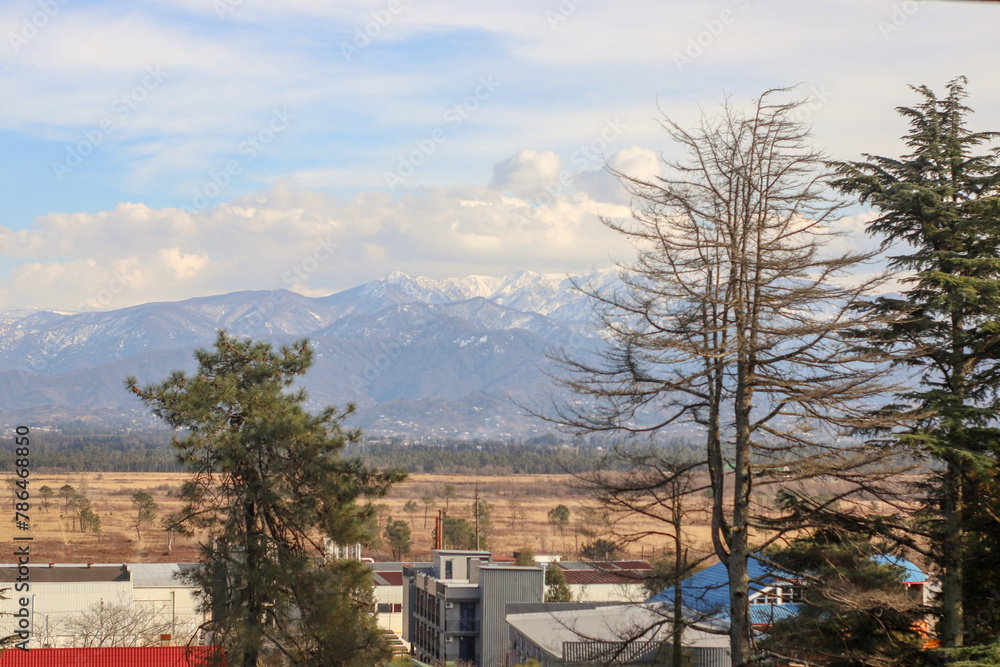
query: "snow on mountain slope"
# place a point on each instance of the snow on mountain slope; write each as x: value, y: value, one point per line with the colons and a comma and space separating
x: 401, y: 347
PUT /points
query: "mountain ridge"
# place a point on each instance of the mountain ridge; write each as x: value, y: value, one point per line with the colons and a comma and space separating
x: 394, y: 346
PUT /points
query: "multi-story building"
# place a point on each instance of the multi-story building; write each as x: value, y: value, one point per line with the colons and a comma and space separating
x: 454, y: 609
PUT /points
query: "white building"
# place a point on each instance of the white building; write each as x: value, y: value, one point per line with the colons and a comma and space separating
x: 59, y: 592
x: 607, y: 581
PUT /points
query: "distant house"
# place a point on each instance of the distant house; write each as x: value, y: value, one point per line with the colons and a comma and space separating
x: 388, y: 581
x: 773, y: 595
x: 606, y: 581
x: 167, y: 656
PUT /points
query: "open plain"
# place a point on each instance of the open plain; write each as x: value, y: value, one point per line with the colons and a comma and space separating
x: 519, y: 507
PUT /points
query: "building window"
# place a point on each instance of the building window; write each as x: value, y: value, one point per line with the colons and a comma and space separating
x: 447, y: 569
x: 769, y: 596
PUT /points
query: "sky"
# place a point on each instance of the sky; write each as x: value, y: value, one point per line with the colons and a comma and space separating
x: 166, y: 149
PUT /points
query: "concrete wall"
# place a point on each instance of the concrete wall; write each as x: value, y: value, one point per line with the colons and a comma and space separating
x: 53, y: 604
x: 177, y: 605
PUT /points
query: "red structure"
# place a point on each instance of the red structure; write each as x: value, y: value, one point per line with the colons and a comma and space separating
x: 160, y: 656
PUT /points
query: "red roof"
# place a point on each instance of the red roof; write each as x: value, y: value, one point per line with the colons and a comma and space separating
x: 388, y: 578
x: 588, y: 577
x: 159, y: 656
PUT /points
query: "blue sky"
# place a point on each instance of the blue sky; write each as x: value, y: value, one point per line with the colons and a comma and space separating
x: 166, y: 149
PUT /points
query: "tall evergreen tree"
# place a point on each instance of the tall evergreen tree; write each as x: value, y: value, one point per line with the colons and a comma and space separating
x: 942, y: 200
x: 852, y: 607
x: 267, y: 486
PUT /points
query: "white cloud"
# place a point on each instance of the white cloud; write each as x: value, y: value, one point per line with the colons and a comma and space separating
x: 296, y: 239
x: 527, y: 173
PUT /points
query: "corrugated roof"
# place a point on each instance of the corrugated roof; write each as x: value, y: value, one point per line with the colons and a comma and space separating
x: 166, y: 656
x: 603, y: 565
x: 388, y: 578
x: 159, y: 575
x: 707, y: 592
x: 382, y: 566
x: 769, y: 614
x: 913, y: 573
x: 553, y: 628
x: 74, y: 574
x: 586, y: 577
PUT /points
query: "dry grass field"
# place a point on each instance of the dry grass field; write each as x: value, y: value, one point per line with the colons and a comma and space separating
x: 520, y: 505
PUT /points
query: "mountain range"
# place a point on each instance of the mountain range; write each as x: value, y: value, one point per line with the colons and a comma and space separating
x: 418, y: 356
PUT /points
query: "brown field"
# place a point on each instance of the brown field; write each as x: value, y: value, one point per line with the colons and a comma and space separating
x: 520, y: 505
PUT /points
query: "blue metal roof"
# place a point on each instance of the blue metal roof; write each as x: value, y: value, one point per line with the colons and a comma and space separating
x: 707, y: 592
x: 913, y: 573
x: 768, y: 614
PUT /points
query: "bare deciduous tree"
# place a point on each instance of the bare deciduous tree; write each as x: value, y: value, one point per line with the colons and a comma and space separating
x: 658, y: 483
x: 122, y: 622
x: 428, y: 502
x: 732, y: 319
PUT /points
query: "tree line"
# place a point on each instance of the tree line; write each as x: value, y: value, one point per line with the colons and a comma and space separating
x: 151, y: 451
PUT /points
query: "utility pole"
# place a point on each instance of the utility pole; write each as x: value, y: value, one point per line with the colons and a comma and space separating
x: 438, y: 532
x: 475, y: 506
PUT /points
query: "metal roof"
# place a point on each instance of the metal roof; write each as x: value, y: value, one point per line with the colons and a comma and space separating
x: 707, y: 591
x: 160, y: 575
x: 72, y: 574
x: 769, y: 614
x: 165, y: 656
x: 555, y: 628
x: 603, y: 565
x: 388, y: 578
x: 621, y: 577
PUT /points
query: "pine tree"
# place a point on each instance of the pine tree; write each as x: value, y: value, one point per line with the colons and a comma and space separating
x: 268, y: 485
x: 557, y: 589
x: 854, y: 610
x: 943, y: 201
x: 397, y: 534
x: 145, y: 511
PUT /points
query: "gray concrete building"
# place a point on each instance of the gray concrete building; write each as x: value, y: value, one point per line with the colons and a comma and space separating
x: 454, y: 609
x: 598, y: 634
